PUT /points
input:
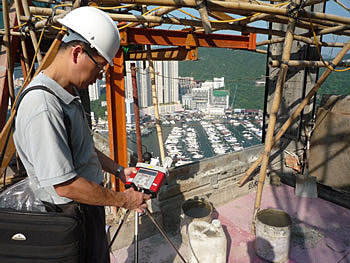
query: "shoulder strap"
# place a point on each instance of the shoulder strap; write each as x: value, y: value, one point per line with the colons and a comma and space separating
x: 21, y: 96
x: 66, y: 119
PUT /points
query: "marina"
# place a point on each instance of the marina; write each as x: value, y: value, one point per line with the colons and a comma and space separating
x: 191, y: 139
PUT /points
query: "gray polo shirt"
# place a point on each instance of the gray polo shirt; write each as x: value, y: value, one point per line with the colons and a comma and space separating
x: 42, y: 143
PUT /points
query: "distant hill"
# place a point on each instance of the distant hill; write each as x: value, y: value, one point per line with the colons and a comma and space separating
x: 241, y: 68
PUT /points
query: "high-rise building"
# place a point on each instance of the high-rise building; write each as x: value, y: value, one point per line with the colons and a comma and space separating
x: 166, y: 77
x: 94, y: 91
x: 95, y: 88
x: 143, y: 82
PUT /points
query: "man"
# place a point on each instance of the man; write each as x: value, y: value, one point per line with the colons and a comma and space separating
x: 62, y: 160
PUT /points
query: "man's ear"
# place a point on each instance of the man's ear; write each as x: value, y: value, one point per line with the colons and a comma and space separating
x: 76, y: 52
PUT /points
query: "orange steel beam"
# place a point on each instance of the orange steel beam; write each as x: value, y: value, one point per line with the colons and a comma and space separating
x: 148, y: 36
x: 179, y: 53
x: 115, y: 94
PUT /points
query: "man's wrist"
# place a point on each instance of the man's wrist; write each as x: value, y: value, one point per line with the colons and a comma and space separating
x: 119, y: 170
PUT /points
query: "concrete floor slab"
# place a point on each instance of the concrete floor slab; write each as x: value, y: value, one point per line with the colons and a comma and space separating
x: 319, y: 232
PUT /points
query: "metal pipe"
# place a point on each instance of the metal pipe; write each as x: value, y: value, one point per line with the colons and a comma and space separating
x: 164, y: 234
x: 136, y: 238
x: 136, y: 112
x: 7, y: 40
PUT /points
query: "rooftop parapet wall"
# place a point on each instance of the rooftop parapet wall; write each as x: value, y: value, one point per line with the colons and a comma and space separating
x: 214, y: 179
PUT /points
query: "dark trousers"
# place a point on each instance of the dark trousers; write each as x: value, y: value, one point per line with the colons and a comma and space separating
x: 96, y: 237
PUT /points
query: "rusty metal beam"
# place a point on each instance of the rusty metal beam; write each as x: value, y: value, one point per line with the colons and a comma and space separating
x: 179, y: 53
x: 4, y: 85
x: 115, y: 95
x: 147, y: 36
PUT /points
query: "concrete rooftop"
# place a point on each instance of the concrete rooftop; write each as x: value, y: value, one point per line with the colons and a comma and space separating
x: 320, y: 231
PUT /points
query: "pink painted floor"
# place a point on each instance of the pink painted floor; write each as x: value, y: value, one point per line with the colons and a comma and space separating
x: 320, y: 232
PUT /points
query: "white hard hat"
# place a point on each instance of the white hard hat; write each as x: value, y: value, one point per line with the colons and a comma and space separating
x: 96, y: 27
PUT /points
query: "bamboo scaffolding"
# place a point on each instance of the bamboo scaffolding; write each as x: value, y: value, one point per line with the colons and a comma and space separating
x: 172, y: 20
x: 233, y: 5
x: 308, y: 64
x: 253, y: 7
x: 298, y: 110
x: 31, y: 31
x: 23, y: 42
x: 156, y: 20
x: 318, y: 18
x: 7, y: 39
x: 287, y: 47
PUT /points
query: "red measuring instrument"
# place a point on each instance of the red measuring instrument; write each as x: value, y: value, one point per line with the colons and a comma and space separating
x: 149, y: 178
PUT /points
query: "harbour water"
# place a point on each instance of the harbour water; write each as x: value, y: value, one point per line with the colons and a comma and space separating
x: 192, y: 140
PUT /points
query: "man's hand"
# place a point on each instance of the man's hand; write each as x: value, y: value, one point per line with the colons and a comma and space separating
x: 135, y: 200
x: 126, y: 173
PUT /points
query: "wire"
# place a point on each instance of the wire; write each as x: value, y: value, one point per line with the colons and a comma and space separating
x: 113, y: 7
x: 156, y: 8
x: 127, y: 25
x: 19, y: 26
x: 62, y: 5
x: 183, y: 11
x: 319, y: 52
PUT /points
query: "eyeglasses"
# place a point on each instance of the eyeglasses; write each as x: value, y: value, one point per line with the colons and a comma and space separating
x: 100, y: 66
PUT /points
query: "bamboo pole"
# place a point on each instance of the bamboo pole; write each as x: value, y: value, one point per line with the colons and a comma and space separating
x: 297, y: 111
x: 155, y: 105
x: 308, y: 64
x: 23, y: 42
x: 330, y: 30
x: 12, y: 33
x: 31, y: 32
x: 202, y: 9
x: 287, y: 47
x: 116, y: 17
x: 314, y: 2
x: 7, y: 39
x: 306, y: 40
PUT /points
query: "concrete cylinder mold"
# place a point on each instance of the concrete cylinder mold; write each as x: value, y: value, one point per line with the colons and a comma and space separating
x: 273, y: 229
x: 207, y: 242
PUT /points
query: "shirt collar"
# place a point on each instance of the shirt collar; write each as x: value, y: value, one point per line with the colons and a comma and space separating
x: 42, y: 80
